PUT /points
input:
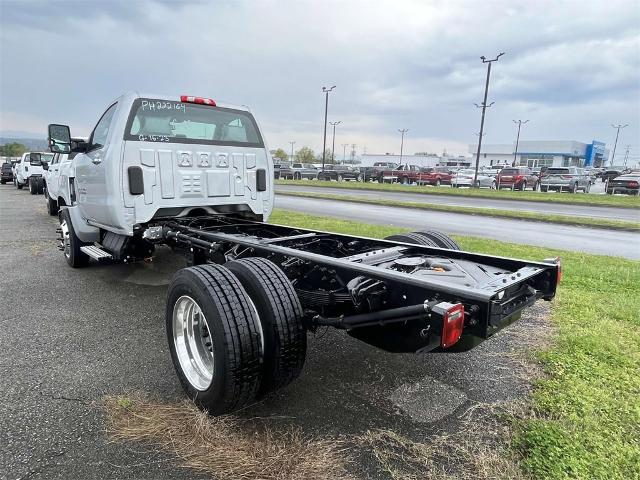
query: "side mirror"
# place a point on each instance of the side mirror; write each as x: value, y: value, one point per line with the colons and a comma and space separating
x: 59, y: 138
x: 35, y: 159
x: 45, y: 166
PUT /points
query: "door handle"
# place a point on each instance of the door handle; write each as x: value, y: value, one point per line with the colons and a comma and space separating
x: 96, y: 160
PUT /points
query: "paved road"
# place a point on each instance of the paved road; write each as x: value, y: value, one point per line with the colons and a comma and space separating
x: 591, y: 240
x: 70, y: 336
x: 562, y: 209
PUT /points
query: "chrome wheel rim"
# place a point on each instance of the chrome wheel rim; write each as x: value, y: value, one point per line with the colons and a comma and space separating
x: 65, y: 240
x: 193, y: 343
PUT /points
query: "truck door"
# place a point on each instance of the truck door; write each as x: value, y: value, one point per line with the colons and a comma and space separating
x: 90, y: 172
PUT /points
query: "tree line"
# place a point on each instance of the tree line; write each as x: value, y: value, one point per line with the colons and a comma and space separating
x: 12, y: 150
x: 304, y: 155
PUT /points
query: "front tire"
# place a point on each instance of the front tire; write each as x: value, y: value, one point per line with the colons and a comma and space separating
x: 52, y: 205
x: 440, y: 239
x: 415, y: 238
x: 70, y: 243
x: 280, y: 312
x: 214, y: 337
x: 19, y: 185
x: 33, y: 186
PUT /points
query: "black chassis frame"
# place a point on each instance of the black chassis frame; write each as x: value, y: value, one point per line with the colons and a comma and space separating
x: 341, y: 283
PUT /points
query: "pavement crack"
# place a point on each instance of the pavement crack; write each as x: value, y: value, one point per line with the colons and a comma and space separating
x: 63, y: 397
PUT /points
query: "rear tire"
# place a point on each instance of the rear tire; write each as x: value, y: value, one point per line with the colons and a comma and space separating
x: 415, y: 238
x: 33, y: 188
x: 280, y: 312
x: 440, y: 239
x: 214, y: 338
x: 71, y: 243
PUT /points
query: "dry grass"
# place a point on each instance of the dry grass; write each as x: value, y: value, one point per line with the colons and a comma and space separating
x: 478, y: 450
x: 225, y: 447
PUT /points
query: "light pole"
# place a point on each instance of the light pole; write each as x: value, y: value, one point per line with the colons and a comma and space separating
x: 484, y: 108
x: 326, y: 109
x: 626, y: 155
x: 344, y: 151
x: 402, y: 132
x: 292, y: 144
x: 515, y: 153
x: 333, y: 144
x: 617, y: 127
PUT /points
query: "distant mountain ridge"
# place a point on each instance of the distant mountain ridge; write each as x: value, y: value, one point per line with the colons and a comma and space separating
x: 34, y: 144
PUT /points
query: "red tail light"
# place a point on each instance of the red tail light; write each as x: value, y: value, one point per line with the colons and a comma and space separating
x: 558, y: 262
x: 200, y: 100
x: 452, y: 322
x: 633, y: 184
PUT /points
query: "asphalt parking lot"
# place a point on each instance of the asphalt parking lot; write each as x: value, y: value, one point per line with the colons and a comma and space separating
x: 70, y: 337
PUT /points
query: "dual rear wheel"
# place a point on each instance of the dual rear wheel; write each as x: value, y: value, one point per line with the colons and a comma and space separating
x: 235, y: 332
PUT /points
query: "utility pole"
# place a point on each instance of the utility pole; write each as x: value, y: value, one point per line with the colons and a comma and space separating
x: 292, y: 144
x: 353, y: 151
x: 484, y: 108
x: 333, y: 144
x: 344, y: 151
x: 520, y: 123
x: 617, y: 127
x: 326, y: 109
x: 402, y: 132
x: 626, y: 155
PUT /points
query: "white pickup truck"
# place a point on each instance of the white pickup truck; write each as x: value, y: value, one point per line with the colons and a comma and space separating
x: 28, y: 171
x: 196, y: 175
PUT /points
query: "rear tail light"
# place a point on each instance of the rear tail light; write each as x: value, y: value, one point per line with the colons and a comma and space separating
x: 558, y: 262
x: 452, y: 322
x: 633, y: 184
x: 199, y: 100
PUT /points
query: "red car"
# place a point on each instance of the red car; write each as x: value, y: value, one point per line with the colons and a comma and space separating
x: 518, y: 178
x: 435, y: 176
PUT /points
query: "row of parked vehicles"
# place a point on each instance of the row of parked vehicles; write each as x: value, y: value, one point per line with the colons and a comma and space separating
x: 560, y: 179
x: 194, y: 176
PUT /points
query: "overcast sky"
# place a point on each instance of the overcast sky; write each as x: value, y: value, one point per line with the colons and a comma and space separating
x: 571, y: 68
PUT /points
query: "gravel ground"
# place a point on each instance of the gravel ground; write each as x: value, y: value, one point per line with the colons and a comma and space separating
x: 70, y: 337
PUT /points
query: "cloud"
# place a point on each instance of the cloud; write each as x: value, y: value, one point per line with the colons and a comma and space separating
x: 571, y: 67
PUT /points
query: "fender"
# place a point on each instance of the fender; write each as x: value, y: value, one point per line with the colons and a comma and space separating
x: 84, y: 231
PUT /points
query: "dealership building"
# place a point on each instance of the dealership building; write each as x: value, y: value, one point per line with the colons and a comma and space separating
x: 551, y: 153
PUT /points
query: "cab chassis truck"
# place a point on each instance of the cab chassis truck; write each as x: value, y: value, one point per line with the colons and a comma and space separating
x: 237, y: 318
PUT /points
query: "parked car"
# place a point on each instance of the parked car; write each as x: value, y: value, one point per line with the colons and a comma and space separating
x: 404, y: 174
x: 435, y: 176
x: 6, y: 173
x: 339, y: 173
x: 628, y: 183
x: 304, y: 170
x: 464, y: 178
x: 613, y: 172
x: 59, y: 180
x: 518, y: 178
x: 540, y: 172
x: 282, y: 170
x: 492, y: 170
x: 379, y: 168
x: 570, y: 179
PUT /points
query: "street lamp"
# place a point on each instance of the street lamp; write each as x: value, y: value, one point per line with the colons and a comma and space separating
x: 484, y: 108
x: 333, y: 144
x: 617, y: 127
x: 402, y: 132
x: 344, y: 151
x: 292, y: 144
x: 520, y: 123
x: 326, y: 109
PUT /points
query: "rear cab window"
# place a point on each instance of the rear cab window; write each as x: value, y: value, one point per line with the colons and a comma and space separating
x: 167, y: 121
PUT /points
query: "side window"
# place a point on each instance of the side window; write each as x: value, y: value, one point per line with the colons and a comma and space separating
x: 99, y: 135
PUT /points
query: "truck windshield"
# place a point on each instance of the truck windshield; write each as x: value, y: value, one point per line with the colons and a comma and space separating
x: 168, y: 121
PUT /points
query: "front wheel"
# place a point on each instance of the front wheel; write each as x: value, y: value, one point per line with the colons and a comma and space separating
x: 70, y: 244
x: 297, y: 176
x: 358, y: 178
x: 33, y: 186
x: 214, y: 337
x: 52, y: 205
x: 19, y: 185
x: 339, y: 178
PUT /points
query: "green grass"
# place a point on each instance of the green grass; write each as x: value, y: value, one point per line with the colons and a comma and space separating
x: 486, y: 212
x: 575, y: 199
x: 586, y: 420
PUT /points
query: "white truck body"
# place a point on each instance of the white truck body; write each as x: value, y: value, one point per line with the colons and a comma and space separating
x: 25, y: 169
x: 142, y: 162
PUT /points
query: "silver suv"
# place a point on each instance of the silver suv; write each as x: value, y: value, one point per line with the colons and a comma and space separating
x: 570, y: 179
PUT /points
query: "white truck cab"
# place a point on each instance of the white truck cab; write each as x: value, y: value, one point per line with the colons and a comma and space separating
x: 151, y: 157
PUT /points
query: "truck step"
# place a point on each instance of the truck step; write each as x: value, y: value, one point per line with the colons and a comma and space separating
x: 95, y: 252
